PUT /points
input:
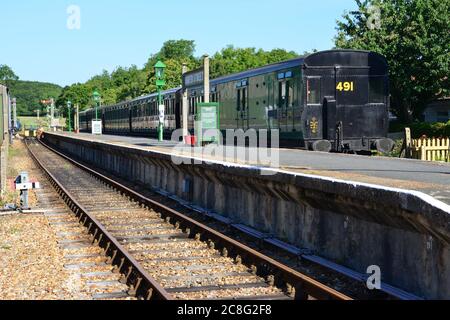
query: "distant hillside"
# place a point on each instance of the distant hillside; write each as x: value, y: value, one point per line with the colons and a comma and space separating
x: 30, y: 93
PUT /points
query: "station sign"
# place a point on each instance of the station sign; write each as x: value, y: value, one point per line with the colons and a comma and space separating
x: 208, y: 120
x: 161, y: 113
x: 55, y: 123
x: 97, y: 127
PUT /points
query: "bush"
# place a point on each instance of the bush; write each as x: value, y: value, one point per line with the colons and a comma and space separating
x: 431, y: 130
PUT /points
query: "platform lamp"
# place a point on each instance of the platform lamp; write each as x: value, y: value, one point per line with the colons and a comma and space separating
x: 69, y: 106
x: 160, y: 83
x: 97, y: 98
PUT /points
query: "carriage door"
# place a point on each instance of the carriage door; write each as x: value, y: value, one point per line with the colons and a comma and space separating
x: 353, y: 111
x: 329, y: 111
x: 242, y: 106
x: 272, y: 112
x: 285, y: 101
x: 103, y: 116
x: 314, y: 108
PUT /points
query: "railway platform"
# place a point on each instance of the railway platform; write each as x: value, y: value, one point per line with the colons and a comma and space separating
x: 345, y: 212
x: 431, y: 178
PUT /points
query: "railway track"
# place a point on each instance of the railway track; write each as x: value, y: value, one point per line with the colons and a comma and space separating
x: 90, y: 277
x: 162, y: 254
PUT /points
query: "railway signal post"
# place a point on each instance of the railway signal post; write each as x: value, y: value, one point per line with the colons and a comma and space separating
x: 160, y: 83
x: 23, y: 185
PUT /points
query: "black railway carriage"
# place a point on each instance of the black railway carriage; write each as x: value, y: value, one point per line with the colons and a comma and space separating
x: 335, y: 100
x: 348, y: 94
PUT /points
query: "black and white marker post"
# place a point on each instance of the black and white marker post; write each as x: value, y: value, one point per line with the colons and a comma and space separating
x: 22, y: 183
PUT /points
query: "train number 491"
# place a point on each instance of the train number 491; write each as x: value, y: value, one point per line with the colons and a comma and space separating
x: 345, y: 86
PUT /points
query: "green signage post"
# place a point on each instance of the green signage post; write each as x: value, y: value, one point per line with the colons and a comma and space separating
x: 69, y: 106
x: 97, y: 98
x: 208, y: 118
x: 160, y: 83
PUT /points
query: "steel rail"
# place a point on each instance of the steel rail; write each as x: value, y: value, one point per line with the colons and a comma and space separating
x: 299, y: 284
x: 142, y: 285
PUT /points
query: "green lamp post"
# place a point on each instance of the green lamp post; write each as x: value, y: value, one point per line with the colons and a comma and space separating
x: 97, y: 98
x: 69, y: 106
x: 160, y: 83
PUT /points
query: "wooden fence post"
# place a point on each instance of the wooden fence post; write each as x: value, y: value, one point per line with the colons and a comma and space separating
x: 408, y: 145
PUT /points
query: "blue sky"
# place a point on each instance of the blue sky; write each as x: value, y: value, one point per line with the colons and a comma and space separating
x: 39, y: 46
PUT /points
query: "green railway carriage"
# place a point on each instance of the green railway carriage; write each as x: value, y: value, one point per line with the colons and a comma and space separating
x: 262, y: 99
x: 139, y: 117
x: 335, y: 100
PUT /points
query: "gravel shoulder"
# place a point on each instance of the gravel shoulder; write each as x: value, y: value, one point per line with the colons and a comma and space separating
x: 34, y: 264
x: 28, y: 273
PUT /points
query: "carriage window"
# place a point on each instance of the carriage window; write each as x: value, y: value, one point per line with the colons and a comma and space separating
x: 313, y: 90
x: 238, y: 107
x: 377, y: 90
x: 193, y: 105
x: 285, y: 94
x: 244, y: 98
x: 290, y: 94
x: 281, y: 94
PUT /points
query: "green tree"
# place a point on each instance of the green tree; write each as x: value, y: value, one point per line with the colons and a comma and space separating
x: 80, y: 94
x: 7, y: 75
x: 104, y: 84
x: 29, y: 94
x: 174, y: 54
x: 177, y: 49
x: 101, y: 82
x: 128, y: 83
x: 414, y: 37
x: 230, y: 59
